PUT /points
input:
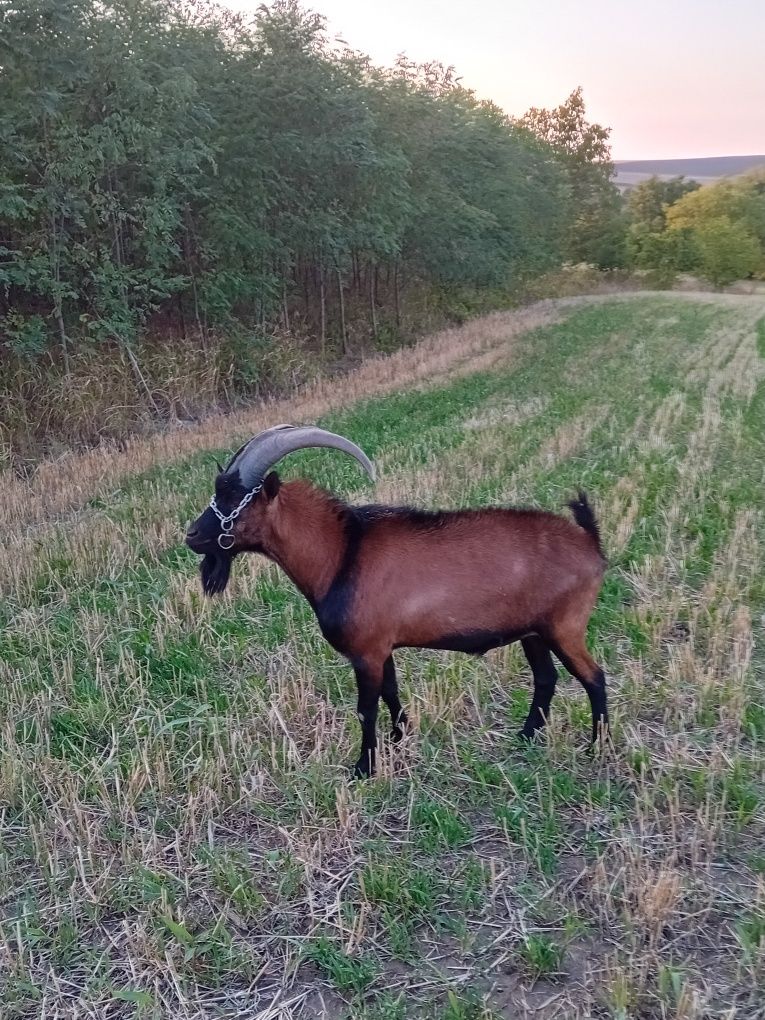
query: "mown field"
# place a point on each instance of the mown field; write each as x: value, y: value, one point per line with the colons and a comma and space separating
x: 178, y: 836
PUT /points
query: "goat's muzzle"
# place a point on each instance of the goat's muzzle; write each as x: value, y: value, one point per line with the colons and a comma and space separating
x: 196, y: 541
x: 203, y: 533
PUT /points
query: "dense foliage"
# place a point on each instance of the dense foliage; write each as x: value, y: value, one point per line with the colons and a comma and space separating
x: 717, y: 231
x: 167, y: 160
x: 595, y: 229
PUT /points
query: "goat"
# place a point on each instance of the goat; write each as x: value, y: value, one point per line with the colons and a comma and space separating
x: 383, y: 577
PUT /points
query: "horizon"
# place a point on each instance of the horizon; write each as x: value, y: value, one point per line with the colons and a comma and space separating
x: 521, y: 56
x: 686, y: 158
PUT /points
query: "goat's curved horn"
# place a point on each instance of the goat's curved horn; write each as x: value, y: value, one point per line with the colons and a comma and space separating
x: 253, y: 460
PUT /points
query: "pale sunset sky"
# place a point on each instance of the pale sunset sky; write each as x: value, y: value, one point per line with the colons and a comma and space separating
x: 672, y: 78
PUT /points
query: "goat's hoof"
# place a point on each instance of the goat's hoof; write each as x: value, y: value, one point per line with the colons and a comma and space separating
x: 400, y: 727
x: 601, y: 747
x: 530, y: 735
x: 362, y: 769
x: 601, y: 739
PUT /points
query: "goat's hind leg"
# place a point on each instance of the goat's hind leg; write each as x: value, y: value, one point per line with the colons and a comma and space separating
x: 389, y: 692
x: 574, y: 655
x: 545, y: 677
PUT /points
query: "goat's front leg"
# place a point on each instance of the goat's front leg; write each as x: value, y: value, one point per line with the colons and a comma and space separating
x: 369, y: 680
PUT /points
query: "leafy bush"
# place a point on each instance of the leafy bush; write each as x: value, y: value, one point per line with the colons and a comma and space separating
x: 727, y: 251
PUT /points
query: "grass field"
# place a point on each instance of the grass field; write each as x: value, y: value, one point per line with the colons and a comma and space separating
x: 178, y: 837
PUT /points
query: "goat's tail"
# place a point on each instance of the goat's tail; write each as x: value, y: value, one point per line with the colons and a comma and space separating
x: 584, y: 516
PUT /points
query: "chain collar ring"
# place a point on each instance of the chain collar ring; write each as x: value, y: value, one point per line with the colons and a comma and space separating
x: 226, y: 537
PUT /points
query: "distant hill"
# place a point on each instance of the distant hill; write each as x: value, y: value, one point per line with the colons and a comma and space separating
x: 705, y: 170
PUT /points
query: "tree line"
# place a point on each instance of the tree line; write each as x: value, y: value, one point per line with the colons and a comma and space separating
x: 168, y: 162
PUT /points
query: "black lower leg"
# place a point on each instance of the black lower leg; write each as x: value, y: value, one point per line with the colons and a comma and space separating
x: 593, y: 679
x: 390, y: 697
x: 596, y: 692
x: 369, y: 683
x: 545, y: 678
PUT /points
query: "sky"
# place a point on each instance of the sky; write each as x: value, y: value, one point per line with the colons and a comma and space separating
x: 672, y: 78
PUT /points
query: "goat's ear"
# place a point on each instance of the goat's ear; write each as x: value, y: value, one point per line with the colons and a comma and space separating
x: 271, y: 485
x: 219, y: 466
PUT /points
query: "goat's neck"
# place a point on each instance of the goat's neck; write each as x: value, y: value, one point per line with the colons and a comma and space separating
x: 306, y: 538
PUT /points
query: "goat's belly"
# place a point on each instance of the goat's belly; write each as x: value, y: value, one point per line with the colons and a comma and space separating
x: 474, y: 642
x: 461, y: 620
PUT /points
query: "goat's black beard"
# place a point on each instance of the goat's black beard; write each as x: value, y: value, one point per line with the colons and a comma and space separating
x: 215, y: 570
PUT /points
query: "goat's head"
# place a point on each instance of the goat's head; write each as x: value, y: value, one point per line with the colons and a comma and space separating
x: 246, y: 498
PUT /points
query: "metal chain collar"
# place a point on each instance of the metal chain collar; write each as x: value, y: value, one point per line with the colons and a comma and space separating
x: 227, y: 521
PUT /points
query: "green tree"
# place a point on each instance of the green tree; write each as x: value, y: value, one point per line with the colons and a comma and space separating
x: 486, y: 205
x: 727, y: 251
x: 717, y: 231
x: 738, y: 200
x: 647, y: 202
x: 597, y: 227
x: 721, y: 217
x: 102, y: 132
x: 666, y: 252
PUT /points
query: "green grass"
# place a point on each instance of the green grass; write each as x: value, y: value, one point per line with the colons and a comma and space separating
x: 541, y: 955
x: 347, y: 974
x: 177, y: 832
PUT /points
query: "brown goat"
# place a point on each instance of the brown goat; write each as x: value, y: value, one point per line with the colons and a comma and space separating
x: 381, y: 578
